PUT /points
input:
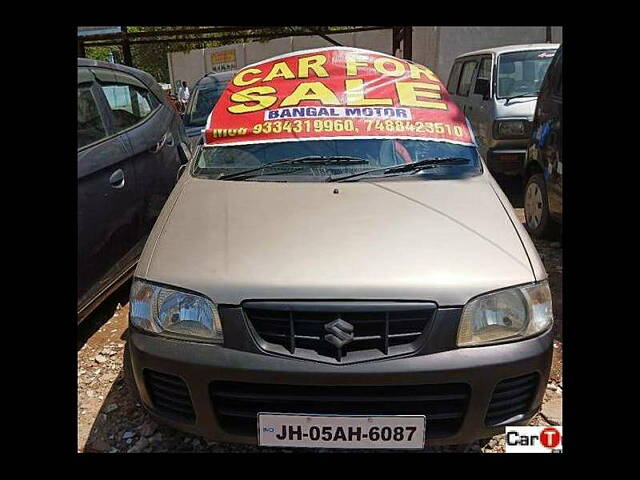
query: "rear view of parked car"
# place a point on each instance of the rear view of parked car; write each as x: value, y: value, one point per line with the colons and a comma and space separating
x: 543, y: 170
x: 497, y: 90
x: 131, y: 144
x: 206, y: 93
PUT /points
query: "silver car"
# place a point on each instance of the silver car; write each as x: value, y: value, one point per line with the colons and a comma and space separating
x: 497, y: 89
x: 358, y: 292
x: 430, y: 276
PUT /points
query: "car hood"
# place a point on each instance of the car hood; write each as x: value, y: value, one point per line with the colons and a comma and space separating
x: 441, y: 240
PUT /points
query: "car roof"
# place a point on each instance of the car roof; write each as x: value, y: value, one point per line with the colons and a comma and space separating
x: 139, y: 74
x: 144, y: 77
x: 511, y: 48
x: 216, y: 77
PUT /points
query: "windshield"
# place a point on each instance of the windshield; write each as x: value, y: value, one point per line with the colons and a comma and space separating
x: 212, y: 162
x: 202, y: 102
x: 521, y: 73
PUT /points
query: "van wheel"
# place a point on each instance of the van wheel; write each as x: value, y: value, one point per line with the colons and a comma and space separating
x: 536, y: 208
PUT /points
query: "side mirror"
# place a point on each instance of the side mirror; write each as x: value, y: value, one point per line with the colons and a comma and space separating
x: 482, y: 88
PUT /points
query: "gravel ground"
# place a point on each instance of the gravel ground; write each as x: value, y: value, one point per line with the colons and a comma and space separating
x: 110, y: 420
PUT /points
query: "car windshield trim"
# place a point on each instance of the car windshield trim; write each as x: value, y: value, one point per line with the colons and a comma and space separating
x: 331, y: 160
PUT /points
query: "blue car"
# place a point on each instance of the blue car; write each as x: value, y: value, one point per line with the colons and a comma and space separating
x: 206, y: 93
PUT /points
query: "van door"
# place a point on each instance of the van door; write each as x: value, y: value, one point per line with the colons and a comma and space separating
x: 467, y: 74
x: 478, y: 104
x: 108, y: 228
x: 147, y: 124
x: 454, y: 79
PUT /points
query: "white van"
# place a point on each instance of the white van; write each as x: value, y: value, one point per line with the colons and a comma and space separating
x: 497, y: 89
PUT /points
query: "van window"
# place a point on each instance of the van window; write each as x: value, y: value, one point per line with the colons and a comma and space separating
x: 454, y: 76
x: 467, y: 75
x: 90, y: 125
x: 521, y: 73
x: 129, y: 104
x: 484, y: 73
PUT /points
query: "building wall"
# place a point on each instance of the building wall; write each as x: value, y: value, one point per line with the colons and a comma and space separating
x: 425, y: 47
x: 435, y: 47
x: 454, y: 41
x: 187, y: 66
x: 239, y: 52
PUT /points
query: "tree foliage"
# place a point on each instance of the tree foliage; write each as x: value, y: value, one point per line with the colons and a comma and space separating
x: 152, y: 57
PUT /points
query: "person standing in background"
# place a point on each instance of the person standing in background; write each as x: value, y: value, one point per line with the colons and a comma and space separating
x: 183, y: 96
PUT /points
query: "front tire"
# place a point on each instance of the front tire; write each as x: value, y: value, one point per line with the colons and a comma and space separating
x: 538, y: 221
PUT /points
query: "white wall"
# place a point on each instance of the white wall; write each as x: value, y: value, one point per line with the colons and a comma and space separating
x: 425, y: 46
x: 376, y: 40
x: 238, y: 47
x: 192, y: 65
x: 187, y: 66
x: 257, y: 51
x: 435, y: 47
x: 307, y: 43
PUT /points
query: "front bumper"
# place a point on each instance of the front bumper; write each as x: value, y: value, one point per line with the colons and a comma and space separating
x: 479, y: 369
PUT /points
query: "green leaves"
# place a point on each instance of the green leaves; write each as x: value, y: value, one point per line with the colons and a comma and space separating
x: 152, y: 57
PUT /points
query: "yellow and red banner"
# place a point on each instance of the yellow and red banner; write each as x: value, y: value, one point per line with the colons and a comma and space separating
x: 333, y: 93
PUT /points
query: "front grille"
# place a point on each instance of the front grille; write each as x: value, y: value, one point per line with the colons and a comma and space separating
x: 169, y: 395
x: 511, y: 397
x: 302, y: 329
x: 237, y: 404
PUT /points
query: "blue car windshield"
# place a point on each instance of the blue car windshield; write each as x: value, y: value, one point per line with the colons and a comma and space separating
x: 343, y: 157
x: 202, y: 102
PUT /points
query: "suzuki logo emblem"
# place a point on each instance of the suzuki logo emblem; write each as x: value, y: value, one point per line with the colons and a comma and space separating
x: 340, y: 332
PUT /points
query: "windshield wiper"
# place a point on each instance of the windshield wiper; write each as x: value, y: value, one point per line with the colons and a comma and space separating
x: 409, y: 167
x: 532, y: 94
x: 311, y: 159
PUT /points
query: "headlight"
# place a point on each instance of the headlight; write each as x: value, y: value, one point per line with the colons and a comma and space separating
x: 174, y: 313
x: 507, y: 315
x: 510, y: 129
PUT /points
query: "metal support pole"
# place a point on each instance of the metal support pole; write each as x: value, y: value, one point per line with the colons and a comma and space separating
x: 548, y: 34
x: 329, y: 39
x: 407, y: 43
x: 126, y: 48
x: 396, y: 32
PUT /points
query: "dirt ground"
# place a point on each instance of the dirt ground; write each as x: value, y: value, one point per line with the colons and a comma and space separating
x: 110, y: 420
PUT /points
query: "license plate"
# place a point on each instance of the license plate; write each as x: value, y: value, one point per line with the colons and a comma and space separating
x: 341, y: 431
